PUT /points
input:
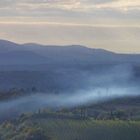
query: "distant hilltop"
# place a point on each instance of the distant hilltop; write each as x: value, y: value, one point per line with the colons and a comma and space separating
x: 31, y: 53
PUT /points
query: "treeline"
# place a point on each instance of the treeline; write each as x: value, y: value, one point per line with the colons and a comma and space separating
x: 81, y: 113
x: 17, y: 92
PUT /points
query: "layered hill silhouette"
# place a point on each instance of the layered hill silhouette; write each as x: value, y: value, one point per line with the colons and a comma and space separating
x: 64, y: 68
x: 31, y: 53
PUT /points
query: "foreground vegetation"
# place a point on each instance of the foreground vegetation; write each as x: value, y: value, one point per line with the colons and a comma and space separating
x: 118, y: 119
x: 40, y: 126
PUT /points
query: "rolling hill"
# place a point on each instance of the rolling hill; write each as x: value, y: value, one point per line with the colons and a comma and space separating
x: 17, y: 54
x: 64, y: 68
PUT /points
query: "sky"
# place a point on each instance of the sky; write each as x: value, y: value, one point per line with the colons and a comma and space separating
x: 109, y: 24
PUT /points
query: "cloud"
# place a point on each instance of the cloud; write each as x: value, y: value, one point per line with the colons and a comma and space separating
x: 74, y: 15
x: 87, y: 12
x: 106, y: 85
x: 124, y: 5
x: 124, y: 39
x: 71, y: 5
x: 93, y: 9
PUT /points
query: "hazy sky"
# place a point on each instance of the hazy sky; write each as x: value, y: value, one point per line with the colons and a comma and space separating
x: 108, y: 24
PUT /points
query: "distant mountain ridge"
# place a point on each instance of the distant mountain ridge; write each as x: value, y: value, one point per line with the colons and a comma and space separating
x: 56, y: 69
x: 31, y: 53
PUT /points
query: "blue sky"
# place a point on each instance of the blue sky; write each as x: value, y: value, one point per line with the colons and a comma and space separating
x: 107, y: 24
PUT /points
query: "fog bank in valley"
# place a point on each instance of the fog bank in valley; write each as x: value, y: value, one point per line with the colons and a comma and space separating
x: 112, y: 83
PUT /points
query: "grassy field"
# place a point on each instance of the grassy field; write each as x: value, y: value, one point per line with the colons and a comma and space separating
x: 114, y: 120
x: 41, y: 128
x: 91, y: 129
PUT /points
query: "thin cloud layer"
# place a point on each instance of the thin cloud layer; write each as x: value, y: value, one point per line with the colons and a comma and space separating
x: 21, y: 7
x: 74, y: 15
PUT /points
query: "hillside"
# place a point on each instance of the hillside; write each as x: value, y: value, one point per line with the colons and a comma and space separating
x: 68, y: 93
x: 37, y: 127
x: 14, y: 54
x: 61, y: 68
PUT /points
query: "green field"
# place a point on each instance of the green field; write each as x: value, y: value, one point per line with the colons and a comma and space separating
x: 113, y: 120
x: 92, y: 130
x: 41, y: 128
